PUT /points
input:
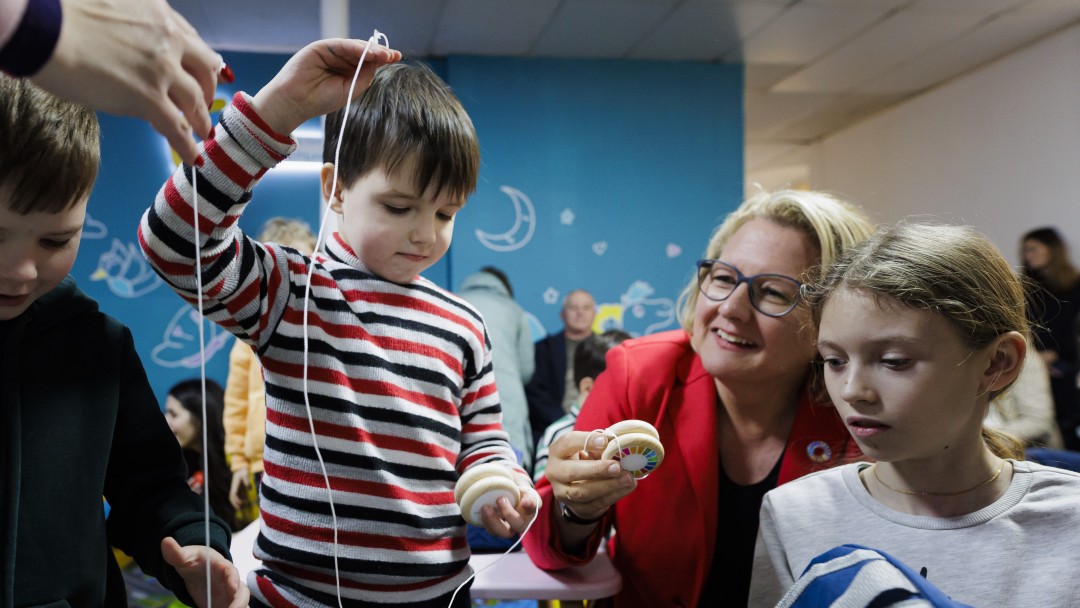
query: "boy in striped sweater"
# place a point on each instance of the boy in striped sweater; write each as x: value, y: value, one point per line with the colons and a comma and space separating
x: 399, y: 376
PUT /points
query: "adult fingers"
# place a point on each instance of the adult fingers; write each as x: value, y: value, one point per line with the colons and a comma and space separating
x: 186, y: 96
x: 167, y: 120
x: 197, y: 59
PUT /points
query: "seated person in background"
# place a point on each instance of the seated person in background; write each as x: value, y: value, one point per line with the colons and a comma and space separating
x: 245, y: 394
x: 183, y: 412
x: 78, y: 419
x: 589, y: 360
x: 1026, y: 409
x: 552, y: 389
x: 919, y: 328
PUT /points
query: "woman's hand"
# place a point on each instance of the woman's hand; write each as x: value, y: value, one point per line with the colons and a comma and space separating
x: 136, y: 57
x: 227, y: 590
x: 316, y: 81
x: 587, y: 485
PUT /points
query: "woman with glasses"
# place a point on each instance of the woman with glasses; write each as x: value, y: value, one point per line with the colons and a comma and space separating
x: 731, y: 396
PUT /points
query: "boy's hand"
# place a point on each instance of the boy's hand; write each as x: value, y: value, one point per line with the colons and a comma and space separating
x: 504, y: 521
x: 316, y: 81
x: 189, y: 562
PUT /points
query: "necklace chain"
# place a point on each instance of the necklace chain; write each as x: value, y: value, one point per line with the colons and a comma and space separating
x: 993, y: 477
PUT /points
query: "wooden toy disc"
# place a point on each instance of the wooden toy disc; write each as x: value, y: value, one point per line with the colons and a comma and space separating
x: 638, y: 453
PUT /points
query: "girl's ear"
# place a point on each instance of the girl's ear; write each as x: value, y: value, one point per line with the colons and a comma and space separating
x: 1007, y: 359
x: 326, y: 177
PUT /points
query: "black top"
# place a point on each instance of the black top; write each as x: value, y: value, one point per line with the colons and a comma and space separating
x: 1054, y: 316
x: 736, y: 535
x: 78, y: 422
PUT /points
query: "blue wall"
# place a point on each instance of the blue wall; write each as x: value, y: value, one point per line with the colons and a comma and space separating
x: 607, y: 175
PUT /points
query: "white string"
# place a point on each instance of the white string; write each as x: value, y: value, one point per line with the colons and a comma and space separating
x: 503, y: 556
x: 202, y: 387
x: 307, y: 296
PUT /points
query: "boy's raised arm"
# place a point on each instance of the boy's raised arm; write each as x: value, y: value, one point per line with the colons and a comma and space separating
x: 316, y: 81
x: 245, y: 284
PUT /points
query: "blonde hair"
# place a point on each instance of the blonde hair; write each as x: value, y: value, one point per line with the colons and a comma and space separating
x: 950, y: 270
x: 830, y: 223
x: 289, y: 232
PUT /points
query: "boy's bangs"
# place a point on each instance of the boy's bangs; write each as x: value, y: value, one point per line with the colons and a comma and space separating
x: 63, y: 189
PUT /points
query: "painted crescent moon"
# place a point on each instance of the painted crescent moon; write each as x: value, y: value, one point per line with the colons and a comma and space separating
x: 524, y: 220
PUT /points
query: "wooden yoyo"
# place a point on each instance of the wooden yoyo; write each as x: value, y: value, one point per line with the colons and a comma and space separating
x: 482, y: 485
x: 636, y: 445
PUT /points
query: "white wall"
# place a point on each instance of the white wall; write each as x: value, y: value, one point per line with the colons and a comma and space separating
x: 998, y: 148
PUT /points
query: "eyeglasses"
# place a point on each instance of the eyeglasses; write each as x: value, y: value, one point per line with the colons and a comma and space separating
x: 774, y: 295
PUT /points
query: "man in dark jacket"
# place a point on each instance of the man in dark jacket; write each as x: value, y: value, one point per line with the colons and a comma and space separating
x: 552, y: 389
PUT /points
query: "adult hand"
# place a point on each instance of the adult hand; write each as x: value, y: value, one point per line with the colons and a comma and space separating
x: 139, y: 58
x: 504, y: 520
x: 190, y: 563
x: 239, y: 480
x: 316, y: 81
x: 581, y: 480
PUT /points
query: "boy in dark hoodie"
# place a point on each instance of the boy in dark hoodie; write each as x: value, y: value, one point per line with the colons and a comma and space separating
x: 78, y: 419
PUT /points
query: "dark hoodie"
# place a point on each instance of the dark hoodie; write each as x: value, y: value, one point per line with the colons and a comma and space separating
x: 79, y: 421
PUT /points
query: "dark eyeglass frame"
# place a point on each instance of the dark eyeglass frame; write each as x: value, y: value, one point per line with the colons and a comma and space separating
x: 740, y: 278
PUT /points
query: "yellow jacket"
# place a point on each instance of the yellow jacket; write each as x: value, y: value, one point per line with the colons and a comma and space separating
x: 245, y: 410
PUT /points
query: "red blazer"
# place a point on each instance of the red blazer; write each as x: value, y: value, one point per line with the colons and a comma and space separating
x: 667, y: 527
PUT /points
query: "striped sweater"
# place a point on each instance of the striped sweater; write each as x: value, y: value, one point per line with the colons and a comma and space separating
x: 400, y: 386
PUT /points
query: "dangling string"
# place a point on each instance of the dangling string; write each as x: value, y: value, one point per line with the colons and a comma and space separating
x: 503, y: 556
x: 202, y: 387
x: 307, y: 297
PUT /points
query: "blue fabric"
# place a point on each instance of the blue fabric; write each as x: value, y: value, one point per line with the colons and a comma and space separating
x: 1062, y: 459
x: 32, y: 43
x: 830, y: 576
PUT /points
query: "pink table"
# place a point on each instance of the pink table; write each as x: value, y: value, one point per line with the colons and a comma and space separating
x: 514, y: 577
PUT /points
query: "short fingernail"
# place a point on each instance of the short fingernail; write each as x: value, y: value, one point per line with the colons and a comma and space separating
x: 597, y: 442
x: 626, y: 481
x: 227, y: 74
x: 614, y: 469
x: 199, y: 161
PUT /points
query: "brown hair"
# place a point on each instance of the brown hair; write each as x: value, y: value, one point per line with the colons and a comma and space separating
x: 49, y: 149
x: 1059, y: 273
x: 408, y: 113
x: 950, y: 270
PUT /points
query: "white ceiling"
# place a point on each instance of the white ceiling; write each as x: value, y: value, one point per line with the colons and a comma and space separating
x: 812, y: 66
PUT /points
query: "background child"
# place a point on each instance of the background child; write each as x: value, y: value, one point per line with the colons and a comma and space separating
x: 589, y: 360
x: 919, y: 328
x: 399, y: 376
x: 78, y: 419
x: 183, y: 412
x: 245, y: 393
